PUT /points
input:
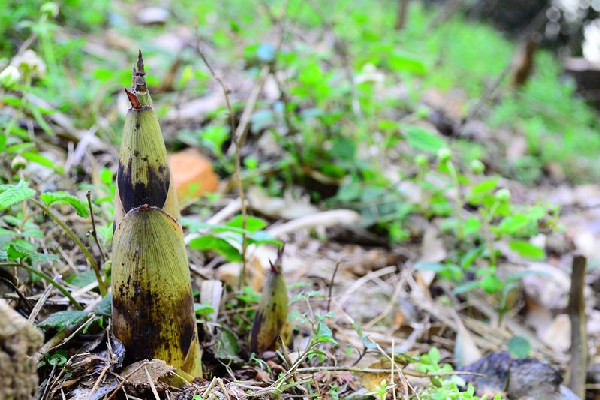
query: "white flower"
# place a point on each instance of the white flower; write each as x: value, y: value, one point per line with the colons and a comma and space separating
x: 9, y: 77
x: 369, y: 73
x: 50, y: 9
x: 591, y: 42
x: 30, y: 64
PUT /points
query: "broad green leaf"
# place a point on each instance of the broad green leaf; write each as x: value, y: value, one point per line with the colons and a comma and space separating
x: 422, y: 139
x: 513, y: 223
x: 12, y: 194
x: 472, y: 225
x: 19, y: 248
x: 105, y: 305
x: 41, y: 121
x: 484, y: 187
x: 19, y: 147
x: 203, y: 309
x: 324, y: 333
x: 59, y: 358
x: 491, y: 284
x: 106, y: 176
x: 227, y: 345
x: 218, y: 245
x: 402, y: 62
x: 38, y: 159
x: 82, y: 279
x: 63, y: 319
x: 253, y: 224
x: 519, y: 346
x: 466, y: 287
x: 262, y: 237
x: 79, y: 205
x: 527, y: 249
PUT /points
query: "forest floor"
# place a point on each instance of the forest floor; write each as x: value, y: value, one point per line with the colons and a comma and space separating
x: 419, y: 234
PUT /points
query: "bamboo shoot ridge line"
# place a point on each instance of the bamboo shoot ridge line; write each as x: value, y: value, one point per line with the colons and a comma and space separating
x: 153, y: 314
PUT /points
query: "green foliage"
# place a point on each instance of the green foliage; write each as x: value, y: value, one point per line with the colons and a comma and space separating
x: 13, y: 194
x: 63, y: 197
x: 519, y: 347
x: 63, y: 319
x: 421, y: 139
x: 442, y: 389
x: 496, y: 219
x: 221, y: 237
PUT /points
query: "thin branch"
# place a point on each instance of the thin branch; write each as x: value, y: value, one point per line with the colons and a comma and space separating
x: 416, y: 374
x: 94, y: 234
x: 47, y: 279
x: 84, y: 249
x: 578, y: 327
x: 330, y: 294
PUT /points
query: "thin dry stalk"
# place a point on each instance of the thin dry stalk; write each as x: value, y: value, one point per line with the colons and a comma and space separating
x: 578, y: 327
x: 94, y: 234
x: 151, y: 383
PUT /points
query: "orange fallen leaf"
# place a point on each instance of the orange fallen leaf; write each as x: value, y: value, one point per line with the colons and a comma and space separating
x: 193, y: 174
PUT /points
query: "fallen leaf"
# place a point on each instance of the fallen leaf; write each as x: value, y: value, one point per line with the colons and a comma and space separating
x: 558, y: 335
x: 193, y: 174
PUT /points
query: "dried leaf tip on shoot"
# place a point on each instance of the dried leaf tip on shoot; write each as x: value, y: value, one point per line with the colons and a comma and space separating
x: 133, y: 99
x: 276, y: 268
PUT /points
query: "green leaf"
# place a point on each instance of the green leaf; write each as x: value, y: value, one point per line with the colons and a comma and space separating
x: 519, y: 346
x: 484, y: 187
x: 19, y: 248
x: 343, y: 148
x: 58, y: 359
x: 472, y: 225
x: 19, y: 147
x: 527, y: 249
x: 203, y: 309
x: 253, y: 224
x: 106, y: 176
x: 63, y: 319
x: 263, y: 237
x: 513, y: 223
x: 83, y: 279
x: 40, y: 120
x: 12, y: 194
x: 227, y: 345
x: 402, y: 62
x: 466, y: 287
x: 105, y: 306
x: 79, y: 205
x: 491, y: 284
x: 324, y: 333
x: 422, y: 139
x: 218, y: 245
x: 38, y: 159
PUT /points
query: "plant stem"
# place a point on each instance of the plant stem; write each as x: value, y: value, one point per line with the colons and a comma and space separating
x: 84, y: 249
x: 94, y: 234
x: 487, y: 231
x: 46, y: 278
x: 459, y: 201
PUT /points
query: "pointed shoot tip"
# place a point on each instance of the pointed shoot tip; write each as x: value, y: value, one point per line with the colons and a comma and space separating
x: 140, y: 63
